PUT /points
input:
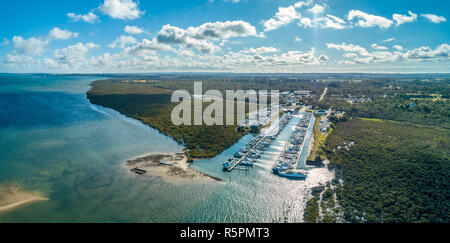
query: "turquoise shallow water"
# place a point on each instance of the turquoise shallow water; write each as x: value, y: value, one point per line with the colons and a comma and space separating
x: 53, y: 140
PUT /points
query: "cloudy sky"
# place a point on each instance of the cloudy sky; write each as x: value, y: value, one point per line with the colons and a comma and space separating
x: 225, y: 36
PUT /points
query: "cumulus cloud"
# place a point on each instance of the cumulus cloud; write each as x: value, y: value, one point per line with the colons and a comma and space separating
x: 30, y: 47
x: 147, y: 47
x: 401, y: 19
x: 88, y: 18
x: 19, y: 59
x: 366, y: 20
x: 262, y: 50
x: 59, y: 34
x: 133, y: 30
x: 358, y: 54
x: 123, y: 41
x: 283, y: 17
x: 434, y: 18
x: 143, y: 56
x: 222, y: 30
x: 398, y: 48
x: 201, y: 37
x: 303, y: 4
x: 377, y: 47
x: 349, y: 48
x: 286, y: 15
x: 441, y: 53
x: 330, y: 21
x: 72, y: 56
x: 306, y: 22
x: 259, y: 57
x: 177, y: 36
x: 121, y: 9
x: 317, y: 9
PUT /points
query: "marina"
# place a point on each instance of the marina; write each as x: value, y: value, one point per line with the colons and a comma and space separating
x: 253, y: 150
x: 290, y: 162
x: 290, y: 159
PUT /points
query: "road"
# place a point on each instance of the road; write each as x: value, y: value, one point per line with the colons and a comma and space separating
x: 324, y: 94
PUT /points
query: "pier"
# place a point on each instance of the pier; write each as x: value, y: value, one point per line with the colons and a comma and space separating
x: 289, y: 160
x: 236, y: 162
x: 232, y: 164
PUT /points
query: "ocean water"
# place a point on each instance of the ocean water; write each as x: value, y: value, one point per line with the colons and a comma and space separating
x: 54, y: 141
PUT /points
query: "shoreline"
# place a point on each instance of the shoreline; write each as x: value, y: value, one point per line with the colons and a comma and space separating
x: 12, y: 197
x: 21, y: 203
x: 170, y: 167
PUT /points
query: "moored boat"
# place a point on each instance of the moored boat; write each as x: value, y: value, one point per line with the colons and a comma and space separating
x: 292, y: 175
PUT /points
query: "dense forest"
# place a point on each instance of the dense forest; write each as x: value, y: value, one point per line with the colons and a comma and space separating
x: 389, y: 172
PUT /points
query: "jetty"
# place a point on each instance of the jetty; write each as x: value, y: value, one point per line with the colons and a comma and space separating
x: 247, y: 155
x: 289, y: 160
x: 233, y: 163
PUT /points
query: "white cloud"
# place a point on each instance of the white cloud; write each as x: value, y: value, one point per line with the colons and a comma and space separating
x: 303, y: 3
x: 306, y: 22
x: 389, y: 40
x: 283, y: 17
x: 298, y: 39
x: 287, y: 15
x: 434, y: 18
x: 147, y: 47
x: 123, y: 41
x: 398, y: 48
x: 88, y: 18
x: 263, y: 49
x: 377, y: 47
x: 121, y: 9
x: 59, y: 34
x: 72, y: 56
x: 143, y: 57
x: 133, y: 30
x: 172, y: 35
x: 13, y: 59
x: 368, y: 20
x: 401, y: 19
x: 201, y: 37
x: 30, y: 47
x: 440, y: 54
x: 317, y: 9
x: 349, y: 48
x: 300, y: 58
x: 330, y: 21
x: 222, y: 30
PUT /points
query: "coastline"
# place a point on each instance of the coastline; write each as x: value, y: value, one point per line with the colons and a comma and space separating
x: 170, y: 167
x: 12, y: 197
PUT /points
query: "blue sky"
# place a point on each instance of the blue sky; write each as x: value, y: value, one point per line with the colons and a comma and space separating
x: 225, y: 36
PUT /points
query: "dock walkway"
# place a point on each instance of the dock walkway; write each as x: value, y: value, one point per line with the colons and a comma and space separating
x: 238, y: 161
